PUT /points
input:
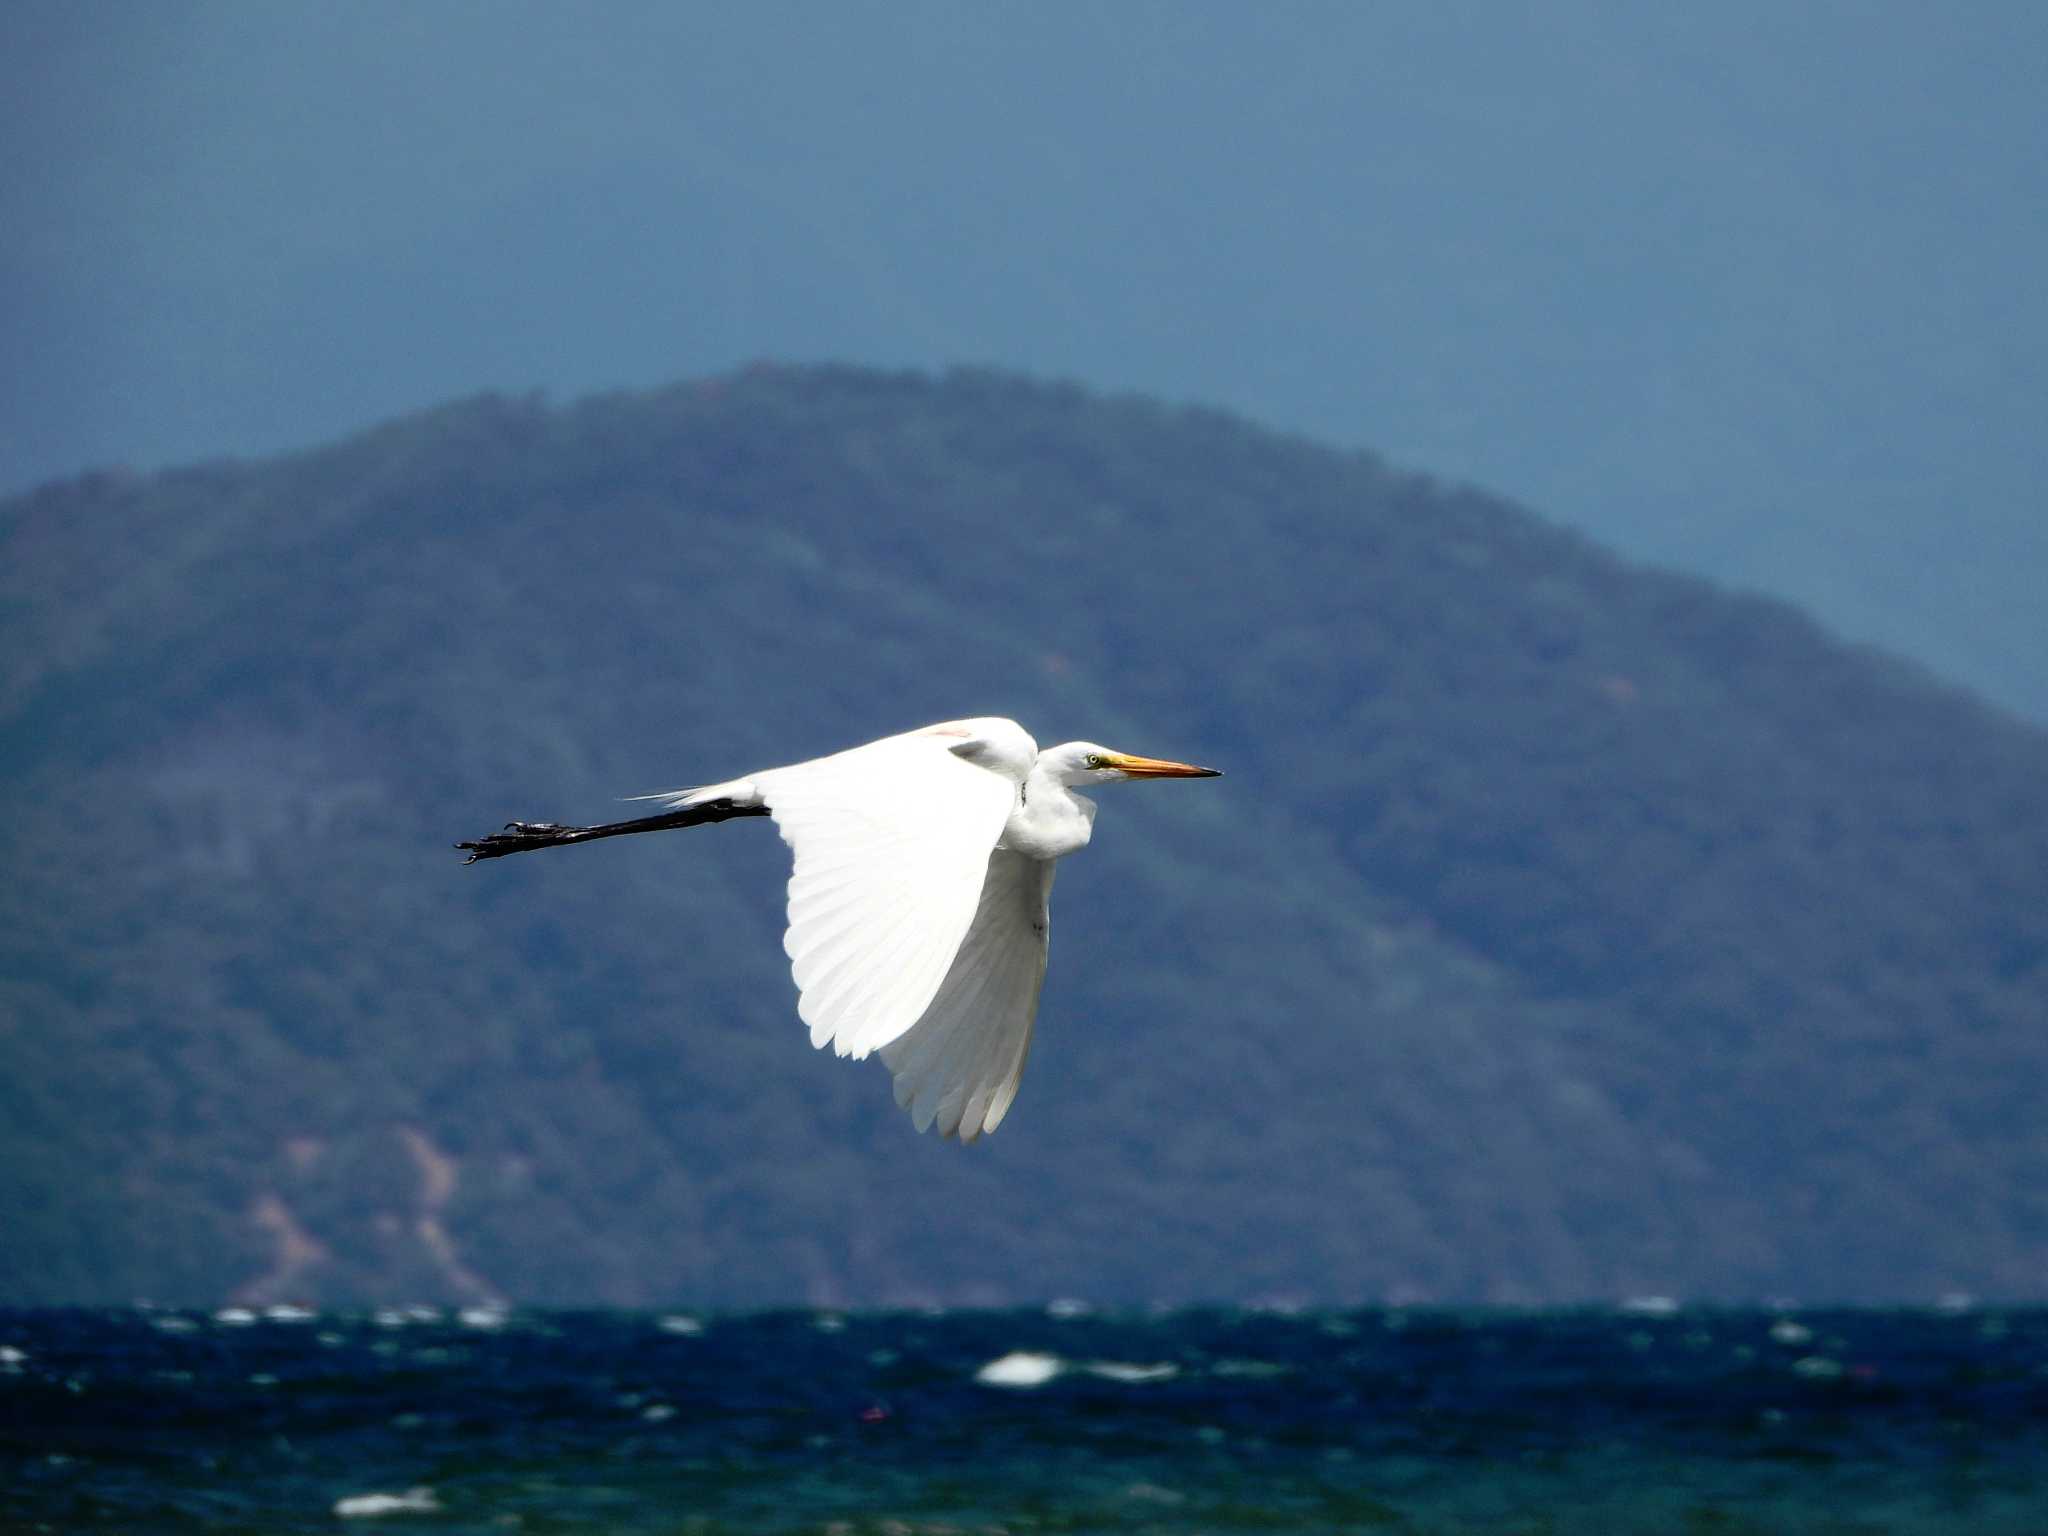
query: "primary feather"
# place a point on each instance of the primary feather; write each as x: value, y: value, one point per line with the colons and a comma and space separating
x: 891, y: 842
x: 960, y: 1064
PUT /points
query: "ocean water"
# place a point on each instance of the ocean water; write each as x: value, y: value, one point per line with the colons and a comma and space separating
x: 1642, y: 1419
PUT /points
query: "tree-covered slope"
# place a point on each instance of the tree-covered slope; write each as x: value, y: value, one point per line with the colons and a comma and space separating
x: 1561, y: 929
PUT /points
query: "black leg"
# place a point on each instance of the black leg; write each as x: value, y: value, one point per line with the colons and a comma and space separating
x: 524, y: 836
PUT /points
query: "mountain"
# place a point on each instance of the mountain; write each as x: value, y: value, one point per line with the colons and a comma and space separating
x: 1562, y: 929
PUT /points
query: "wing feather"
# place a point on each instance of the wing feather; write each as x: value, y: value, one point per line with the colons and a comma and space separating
x: 960, y: 1065
x: 891, y: 844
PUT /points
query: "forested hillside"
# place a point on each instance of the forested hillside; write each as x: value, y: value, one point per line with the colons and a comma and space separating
x: 1561, y: 930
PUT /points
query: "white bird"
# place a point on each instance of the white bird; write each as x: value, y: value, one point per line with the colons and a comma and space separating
x: 917, y: 905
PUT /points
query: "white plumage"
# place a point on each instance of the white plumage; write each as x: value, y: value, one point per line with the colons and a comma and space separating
x: 917, y: 904
x: 958, y: 1066
x: 891, y: 843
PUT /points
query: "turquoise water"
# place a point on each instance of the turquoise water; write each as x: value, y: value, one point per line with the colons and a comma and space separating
x: 1645, y: 1420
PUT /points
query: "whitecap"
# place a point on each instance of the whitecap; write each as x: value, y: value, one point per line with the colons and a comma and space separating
x: 680, y: 1323
x: 1251, y: 1370
x: 1650, y: 1306
x: 1020, y: 1368
x: 285, y: 1312
x: 481, y: 1317
x: 1129, y: 1374
x: 1786, y: 1331
x: 414, y: 1501
x: 657, y: 1413
x: 174, y: 1324
x: 1065, y: 1308
x: 1817, y: 1368
x: 1154, y: 1493
x: 234, y: 1317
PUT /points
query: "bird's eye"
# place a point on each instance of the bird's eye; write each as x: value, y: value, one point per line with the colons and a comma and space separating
x: 1095, y: 760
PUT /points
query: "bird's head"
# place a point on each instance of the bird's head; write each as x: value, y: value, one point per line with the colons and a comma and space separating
x: 1075, y: 763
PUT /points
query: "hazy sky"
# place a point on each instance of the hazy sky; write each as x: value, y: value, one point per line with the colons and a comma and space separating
x: 1752, y: 289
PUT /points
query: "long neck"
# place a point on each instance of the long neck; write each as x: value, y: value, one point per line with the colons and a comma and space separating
x: 1049, y: 820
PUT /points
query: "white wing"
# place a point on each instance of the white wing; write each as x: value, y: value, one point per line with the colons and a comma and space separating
x: 891, y: 841
x: 961, y: 1064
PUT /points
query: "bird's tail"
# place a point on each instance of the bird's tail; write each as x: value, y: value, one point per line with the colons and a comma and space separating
x: 739, y: 791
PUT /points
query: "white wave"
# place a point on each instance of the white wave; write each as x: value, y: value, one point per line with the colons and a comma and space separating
x: 1129, y: 1374
x: 414, y: 1501
x: 234, y: 1317
x: 680, y: 1323
x: 1650, y: 1306
x: 1251, y: 1370
x: 1154, y: 1493
x: 1020, y: 1368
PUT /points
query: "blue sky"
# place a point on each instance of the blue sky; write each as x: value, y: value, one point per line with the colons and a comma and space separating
x: 1749, y: 289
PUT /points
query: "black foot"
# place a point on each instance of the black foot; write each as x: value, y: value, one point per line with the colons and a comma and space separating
x: 519, y: 837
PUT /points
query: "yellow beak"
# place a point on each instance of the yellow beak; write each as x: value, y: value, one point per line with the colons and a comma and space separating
x: 1158, y: 768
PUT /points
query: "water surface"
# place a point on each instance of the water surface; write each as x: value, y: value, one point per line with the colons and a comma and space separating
x: 1650, y: 1419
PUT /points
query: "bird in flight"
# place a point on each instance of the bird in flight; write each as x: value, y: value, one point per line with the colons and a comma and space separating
x: 917, y: 906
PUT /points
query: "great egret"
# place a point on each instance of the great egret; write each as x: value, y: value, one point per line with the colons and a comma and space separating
x: 917, y: 907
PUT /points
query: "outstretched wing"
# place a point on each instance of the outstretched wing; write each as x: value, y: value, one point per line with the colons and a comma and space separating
x: 961, y: 1064
x: 891, y: 842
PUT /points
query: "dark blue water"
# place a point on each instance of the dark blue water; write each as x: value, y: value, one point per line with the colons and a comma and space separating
x: 1696, y: 1422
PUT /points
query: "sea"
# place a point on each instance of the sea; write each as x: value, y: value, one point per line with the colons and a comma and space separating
x: 1646, y: 1417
